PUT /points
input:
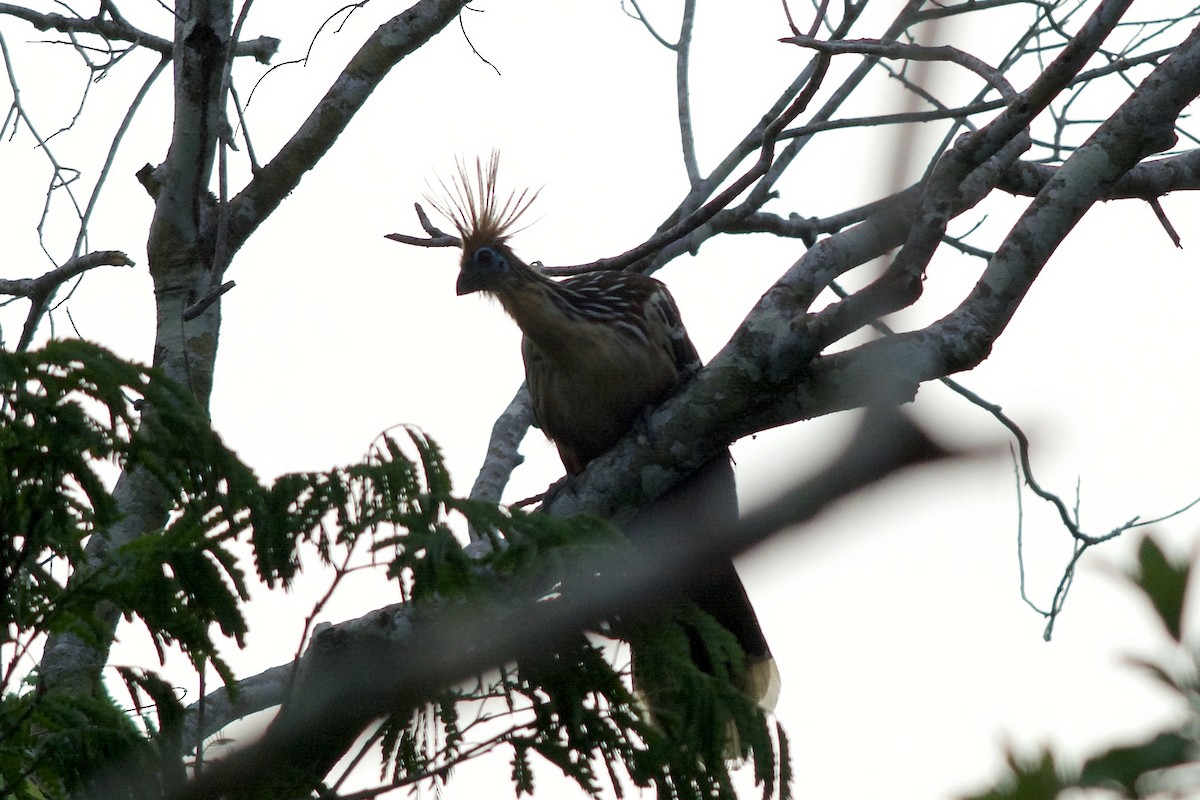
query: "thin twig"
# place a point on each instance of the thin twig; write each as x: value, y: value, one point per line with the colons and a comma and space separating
x: 640, y: 16
x: 1165, y: 222
x: 134, y: 105
x: 437, y: 237
x: 707, y: 211
x: 1024, y: 471
x: 683, y: 53
x: 463, y: 27
x: 245, y: 130
x: 210, y: 296
x: 59, y: 177
x: 911, y: 52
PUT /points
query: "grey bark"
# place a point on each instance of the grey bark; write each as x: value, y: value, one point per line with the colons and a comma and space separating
x: 188, y: 255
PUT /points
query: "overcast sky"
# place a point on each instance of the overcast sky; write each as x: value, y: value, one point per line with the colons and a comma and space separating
x: 908, y: 657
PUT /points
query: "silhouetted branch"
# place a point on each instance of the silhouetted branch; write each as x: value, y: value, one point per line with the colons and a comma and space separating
x: 393, y: 41
x: 436, y: 238
x: 117, y: 28
x: 39, y: 290
x: 910, y: 52
x: 399, y: 658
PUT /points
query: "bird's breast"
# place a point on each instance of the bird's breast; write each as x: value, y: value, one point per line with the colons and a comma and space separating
x: 589, y: 386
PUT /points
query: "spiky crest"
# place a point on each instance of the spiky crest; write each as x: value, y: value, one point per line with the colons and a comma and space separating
x: 473, y: 206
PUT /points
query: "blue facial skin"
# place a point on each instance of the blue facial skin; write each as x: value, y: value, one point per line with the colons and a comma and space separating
x: 486, y: 267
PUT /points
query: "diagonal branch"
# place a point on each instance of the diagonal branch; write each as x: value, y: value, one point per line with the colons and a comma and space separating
x: 911, y: 52
x: 47, y: 283
x: 399, y: 657
x: 39, y: 290
x: 391, y: 43
x: 769, y: 375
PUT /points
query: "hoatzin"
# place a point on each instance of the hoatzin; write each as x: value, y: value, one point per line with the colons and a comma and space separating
x: 600, y: 350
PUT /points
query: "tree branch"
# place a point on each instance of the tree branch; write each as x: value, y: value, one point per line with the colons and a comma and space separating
x: 391, y: 43
x: 910, y: 52
x: 116, y: 28
x: 767, y: 376
x: 1145, y: 181
x: 401, y: 656
x: 47, y: 283
x: 502, y: 453
x: 39, y: 290
x: 683, y: 53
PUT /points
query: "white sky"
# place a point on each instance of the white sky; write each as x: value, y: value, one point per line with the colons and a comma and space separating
x: 907, y: 656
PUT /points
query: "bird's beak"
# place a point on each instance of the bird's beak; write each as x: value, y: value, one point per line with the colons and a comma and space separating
x: 468, y: 281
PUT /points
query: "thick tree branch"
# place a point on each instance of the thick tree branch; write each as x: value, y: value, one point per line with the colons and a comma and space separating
x: 1143, y: 125
x: 1145, y: 181
x: 503, y: 456
x: 117, y: 28
x: 267, y: 689
x: 767, y: 376
x: 390, y: 44
x: 401, y: 656
x: 179, y: 261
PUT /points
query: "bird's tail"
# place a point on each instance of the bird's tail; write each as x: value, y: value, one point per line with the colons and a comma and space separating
x: 707, y: 498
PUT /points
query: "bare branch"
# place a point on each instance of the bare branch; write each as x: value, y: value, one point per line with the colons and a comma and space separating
x: 436, y: 238
x: 943, y: 11
x: 640, y: 16
x: 62, y: 177
x: 1147, y: 180
x: 392, y: 42
x: 211, y: 295
x: 396, y: 659
x: 46, y: 284
x: 1166, y: 223
x: 134, y: 105
x: 911, y: 52
x: 503, y: 455
x: 683, y: 54
x: 706, y: 212
x: 115, y: 27
x: 40, y: 290
x: 960, y: 113
x: 225, y: 705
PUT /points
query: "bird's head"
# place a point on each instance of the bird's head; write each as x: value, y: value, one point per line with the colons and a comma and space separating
x: 485, y: 268
x: 485, y: 223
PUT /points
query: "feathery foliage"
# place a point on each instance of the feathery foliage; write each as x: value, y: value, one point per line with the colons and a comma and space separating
x: 72, y: 413
x: 69, y: 415
x: 1164, y: 764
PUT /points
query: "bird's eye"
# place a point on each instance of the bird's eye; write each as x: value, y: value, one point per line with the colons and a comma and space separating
x: 488, y: 258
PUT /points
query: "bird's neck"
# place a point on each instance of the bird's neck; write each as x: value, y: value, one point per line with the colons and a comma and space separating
x: 544, y: 310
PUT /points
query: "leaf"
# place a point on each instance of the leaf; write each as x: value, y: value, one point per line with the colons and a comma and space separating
x: 1125, y: 765
x: 1164, y: 582
x: 1027, y: 780
x: 1159, y: 674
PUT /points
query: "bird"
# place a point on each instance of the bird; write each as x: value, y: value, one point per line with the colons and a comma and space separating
x: 601, y: 349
